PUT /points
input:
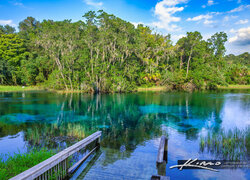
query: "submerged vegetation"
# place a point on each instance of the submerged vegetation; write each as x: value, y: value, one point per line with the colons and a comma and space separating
x: 21, y: 162
x: 230, y: 145
x: 104, y: 53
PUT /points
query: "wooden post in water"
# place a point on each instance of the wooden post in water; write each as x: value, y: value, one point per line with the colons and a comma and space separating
x: 165, y: 157
x: 162, y: 156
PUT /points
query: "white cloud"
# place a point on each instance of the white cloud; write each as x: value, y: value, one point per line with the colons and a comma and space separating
x: 240, y: 8
x: 205, y: 18
x: 208, y: 22
x: 171, y: 2
x: 93, y: 3
x: 200, y: 17
x: 227, y: 18
x: 242, y: 21
x: 18, y: 4
x: 216, y: 13
x: 175, y: 37
x: 6, y: 22
x: 242, y: 37
x: 232, y: 31
x: 210, y: 2
x: 137, y: 23
x: 206, y: 36
x: 164, y: 11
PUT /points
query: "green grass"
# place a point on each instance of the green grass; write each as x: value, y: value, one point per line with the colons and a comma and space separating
x: 139, y: 89
x: 18, y: 88
x: 230, y: 145
x: 235, y: 87
x: 18, y: 163
x: 154, y: 88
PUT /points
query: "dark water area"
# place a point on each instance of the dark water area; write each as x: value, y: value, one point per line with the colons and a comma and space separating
x: 132, y: 125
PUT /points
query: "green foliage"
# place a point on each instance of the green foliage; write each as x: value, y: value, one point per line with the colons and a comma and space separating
x: 230, y: 145
x: 12, y: 51
x: 104, y: 53
x: 7, y: 29
x: 217, y: 42
x: 21, y: 162
x: 176, y: 79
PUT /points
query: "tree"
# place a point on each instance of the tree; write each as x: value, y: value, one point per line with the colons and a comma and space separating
x: 59, y: 41
x: 104, y: 53
x: 7, y: 29
x: 217, y: 43
x: 189, y: 43
x: 28, y: 27
x: 12, y: 51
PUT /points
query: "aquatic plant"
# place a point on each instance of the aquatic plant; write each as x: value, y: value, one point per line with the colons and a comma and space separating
x: 227, y: 145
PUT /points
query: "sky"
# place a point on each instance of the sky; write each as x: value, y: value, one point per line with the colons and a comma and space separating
x: 175, y: 17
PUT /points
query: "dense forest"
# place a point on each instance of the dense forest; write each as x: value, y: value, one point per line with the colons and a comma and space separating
x: 104, y: 53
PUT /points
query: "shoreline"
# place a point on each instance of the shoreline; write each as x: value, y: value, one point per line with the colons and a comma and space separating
x: 139, y: 89
x: 237, y: 86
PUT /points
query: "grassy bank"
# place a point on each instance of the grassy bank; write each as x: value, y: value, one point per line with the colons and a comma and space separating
x: 154, y: 88
x: 235, y: 87
x: 19, y: 88
x: 139, y: 89
x: 165, y: 88
x: 18, y: 163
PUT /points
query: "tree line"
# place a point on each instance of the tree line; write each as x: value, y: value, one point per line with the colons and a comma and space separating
x: 104, y: 53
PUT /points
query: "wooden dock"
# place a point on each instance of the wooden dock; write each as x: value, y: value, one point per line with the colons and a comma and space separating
x: 57, y: 166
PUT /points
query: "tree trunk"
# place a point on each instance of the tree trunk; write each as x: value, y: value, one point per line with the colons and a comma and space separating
x: 181, y: 61
x: 189, y: 58
x: 70, y: 81
x: 91, y: 58
x: 60, y: 69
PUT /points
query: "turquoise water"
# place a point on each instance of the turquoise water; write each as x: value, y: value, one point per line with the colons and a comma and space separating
x: 132, y: 125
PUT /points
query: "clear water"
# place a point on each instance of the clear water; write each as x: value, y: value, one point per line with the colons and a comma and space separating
x: 132, y: 125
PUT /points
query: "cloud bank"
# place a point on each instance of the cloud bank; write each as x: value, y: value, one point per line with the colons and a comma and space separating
x: 164, y: 11
x: 241, y: 38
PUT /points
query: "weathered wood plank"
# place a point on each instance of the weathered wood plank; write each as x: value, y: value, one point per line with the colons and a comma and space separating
x: 44, y: 166
x: 166, y: 151
x: 73, y: 168
x: 161, y: 168
x: 157, y: 177
x: 89, y: 165
x: 160, y: 155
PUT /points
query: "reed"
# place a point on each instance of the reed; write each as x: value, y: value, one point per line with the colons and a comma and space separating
x: 227, y: 145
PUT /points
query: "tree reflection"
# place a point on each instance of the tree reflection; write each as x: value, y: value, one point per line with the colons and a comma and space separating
x: 127, y: 120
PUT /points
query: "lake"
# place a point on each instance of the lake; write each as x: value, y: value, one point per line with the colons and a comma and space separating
x: 132, y: 125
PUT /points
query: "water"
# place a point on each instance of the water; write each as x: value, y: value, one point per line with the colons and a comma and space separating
x: 132, y: 125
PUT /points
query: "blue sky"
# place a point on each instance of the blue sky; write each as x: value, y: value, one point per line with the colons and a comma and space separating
x: 165, y: 16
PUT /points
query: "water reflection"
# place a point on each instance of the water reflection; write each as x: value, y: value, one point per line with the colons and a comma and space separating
x: 131, y: 123
x: 227, y: 145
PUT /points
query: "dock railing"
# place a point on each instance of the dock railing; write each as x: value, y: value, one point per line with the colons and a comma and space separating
x: 57, y: 166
